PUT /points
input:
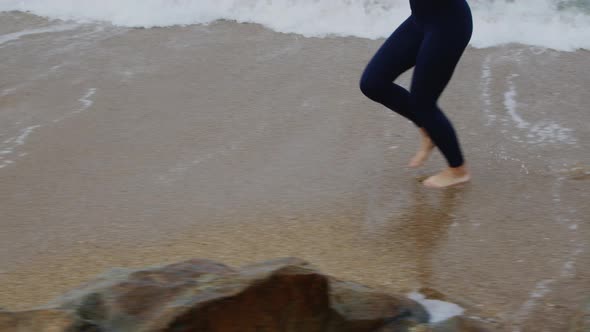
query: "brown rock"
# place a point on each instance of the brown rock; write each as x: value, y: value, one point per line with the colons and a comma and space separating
x: 36, y: 320
x: 200, y: 295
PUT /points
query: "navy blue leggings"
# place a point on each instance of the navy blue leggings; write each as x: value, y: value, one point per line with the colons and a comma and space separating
x: 433, y: 44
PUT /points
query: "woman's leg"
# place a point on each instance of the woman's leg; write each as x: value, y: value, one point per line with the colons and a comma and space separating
x: 396, y: 55
x: 441, y: 49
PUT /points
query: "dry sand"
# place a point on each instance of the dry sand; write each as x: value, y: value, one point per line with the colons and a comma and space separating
x: 127, y: 147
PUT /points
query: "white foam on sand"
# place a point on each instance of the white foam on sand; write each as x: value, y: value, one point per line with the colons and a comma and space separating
x: 546, y: 131
x: 543, y: 287
x: 566, y: 270
x: 9, y: 146
x: 510, y: 103
x: 438, y: 310
x: 540, y: 132
x: 545, y: 23
x: 486, y: 79
x: 86, y: 101
x: 17, y: 35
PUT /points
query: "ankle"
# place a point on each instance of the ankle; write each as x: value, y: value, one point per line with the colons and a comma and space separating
x: 424, y: 133
x: 459, y: 171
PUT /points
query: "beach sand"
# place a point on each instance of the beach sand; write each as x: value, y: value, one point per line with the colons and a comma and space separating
x: 131, y: 147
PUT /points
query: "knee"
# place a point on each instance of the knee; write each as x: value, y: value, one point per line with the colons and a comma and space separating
x: 425, y: 109
x: 421, y: 104
x: 371, y: 87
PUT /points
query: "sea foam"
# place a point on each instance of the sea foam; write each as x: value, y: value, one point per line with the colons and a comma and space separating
x: 557, y: 24
x: 438, y: 310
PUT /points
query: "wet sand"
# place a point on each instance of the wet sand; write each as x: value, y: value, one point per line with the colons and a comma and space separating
x: 128, y: 147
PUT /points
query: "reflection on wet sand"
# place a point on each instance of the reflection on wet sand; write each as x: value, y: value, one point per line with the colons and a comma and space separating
x: 425, y: 223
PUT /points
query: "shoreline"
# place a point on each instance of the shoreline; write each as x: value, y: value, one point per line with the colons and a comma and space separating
x: 235, y: 143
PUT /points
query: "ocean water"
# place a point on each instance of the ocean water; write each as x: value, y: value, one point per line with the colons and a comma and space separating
x: 558, y: 24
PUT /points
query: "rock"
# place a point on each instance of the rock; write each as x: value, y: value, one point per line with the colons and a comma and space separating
x: 200, y: 295
x: 36, y: 320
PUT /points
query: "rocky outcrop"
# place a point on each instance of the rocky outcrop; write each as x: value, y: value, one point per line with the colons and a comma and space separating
x: 201, y: 295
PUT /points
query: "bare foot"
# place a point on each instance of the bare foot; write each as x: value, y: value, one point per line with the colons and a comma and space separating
x: 448, y: 177
x: 426, y: 147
